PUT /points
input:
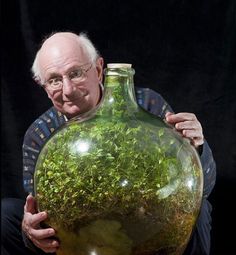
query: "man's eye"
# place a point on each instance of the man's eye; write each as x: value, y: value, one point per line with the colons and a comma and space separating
x: 76, y: 74
x: 54, y: 81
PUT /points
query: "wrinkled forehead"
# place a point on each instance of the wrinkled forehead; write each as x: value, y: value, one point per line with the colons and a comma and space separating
x: 62, y: 47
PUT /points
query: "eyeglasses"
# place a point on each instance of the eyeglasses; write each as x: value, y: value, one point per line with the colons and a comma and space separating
x: 76, y: 76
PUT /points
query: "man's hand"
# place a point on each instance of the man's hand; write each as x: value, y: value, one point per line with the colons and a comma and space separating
x: 188, y: 125
x: 42, y: 238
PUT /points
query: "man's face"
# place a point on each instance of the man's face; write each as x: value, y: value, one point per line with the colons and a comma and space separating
x: 59, y: 60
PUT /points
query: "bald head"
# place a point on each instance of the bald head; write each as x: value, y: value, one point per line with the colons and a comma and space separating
x: 59, y: 35
x: 64, y: 44
x: 60, y: 39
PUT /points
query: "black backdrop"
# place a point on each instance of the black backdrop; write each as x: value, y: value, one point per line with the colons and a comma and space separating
x: 185, y: 50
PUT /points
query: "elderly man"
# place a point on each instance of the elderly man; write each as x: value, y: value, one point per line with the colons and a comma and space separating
x: 70, y: 70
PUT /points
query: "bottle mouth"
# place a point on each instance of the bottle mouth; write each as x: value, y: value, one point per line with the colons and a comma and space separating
x: 119, y: 65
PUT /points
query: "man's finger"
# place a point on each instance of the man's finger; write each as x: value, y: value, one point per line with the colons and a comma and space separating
x: 30, y: 205
x: 36, y: 219
x: 179, y: 117
x: 40, y: 234
x: 188, y: 125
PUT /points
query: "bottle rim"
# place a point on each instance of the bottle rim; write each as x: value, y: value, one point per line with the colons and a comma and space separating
x: 119, y: 65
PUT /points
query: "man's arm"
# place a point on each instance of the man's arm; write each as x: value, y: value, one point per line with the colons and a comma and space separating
x: 36, y: 237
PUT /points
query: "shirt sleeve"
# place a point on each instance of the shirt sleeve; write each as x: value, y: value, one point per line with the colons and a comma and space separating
x: 35, y: 137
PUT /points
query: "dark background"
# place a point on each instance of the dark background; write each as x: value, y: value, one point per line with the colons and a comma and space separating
x: 185, y: 50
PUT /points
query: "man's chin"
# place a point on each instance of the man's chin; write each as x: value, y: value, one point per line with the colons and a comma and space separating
x: 71, y: 111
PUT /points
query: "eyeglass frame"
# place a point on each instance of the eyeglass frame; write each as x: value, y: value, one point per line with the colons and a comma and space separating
x: 83, y: 72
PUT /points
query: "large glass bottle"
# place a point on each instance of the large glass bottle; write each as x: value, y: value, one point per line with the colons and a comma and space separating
x: 118, y: 180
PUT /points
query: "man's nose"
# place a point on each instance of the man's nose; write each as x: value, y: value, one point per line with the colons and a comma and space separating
x: 67, y: 86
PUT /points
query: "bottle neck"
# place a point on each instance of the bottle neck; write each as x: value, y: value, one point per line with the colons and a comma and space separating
x: 119, y: 97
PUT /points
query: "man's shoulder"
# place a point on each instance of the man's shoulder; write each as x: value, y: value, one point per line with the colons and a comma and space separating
x: 35, y: 137
x: 146, y: 90
x: 152, y: 101
x: 145, y: 95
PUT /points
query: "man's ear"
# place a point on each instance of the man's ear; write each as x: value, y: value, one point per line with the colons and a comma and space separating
x: 99, y: 67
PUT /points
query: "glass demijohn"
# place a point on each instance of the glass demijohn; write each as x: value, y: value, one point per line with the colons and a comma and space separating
x: 118, y: 180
